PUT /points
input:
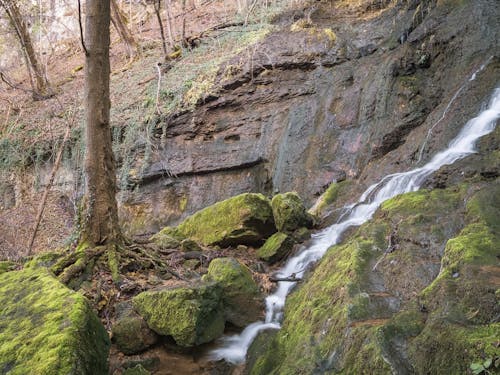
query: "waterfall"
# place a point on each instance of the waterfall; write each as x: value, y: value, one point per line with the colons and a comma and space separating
x: 448, y: 106
x: 234, y: 348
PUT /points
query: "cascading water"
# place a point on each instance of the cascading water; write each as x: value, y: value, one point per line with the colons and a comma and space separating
x: 448, y: 106
x: 235, y: 347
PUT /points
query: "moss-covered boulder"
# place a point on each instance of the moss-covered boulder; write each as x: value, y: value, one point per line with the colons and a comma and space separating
x: 46, y: 329
x: 241, y: 297
x: 277, y: 247
x: 191, y: 315
x: 244, y: 219
x: 289, y: 212
x: 131, y: 334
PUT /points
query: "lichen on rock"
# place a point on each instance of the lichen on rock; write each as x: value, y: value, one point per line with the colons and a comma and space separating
x: 47, y: 328
x: 191, y: 315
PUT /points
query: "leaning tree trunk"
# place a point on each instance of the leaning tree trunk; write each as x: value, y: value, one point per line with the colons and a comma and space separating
x: 100, y: 223
x: 120, y: 25
x: 41, y: 89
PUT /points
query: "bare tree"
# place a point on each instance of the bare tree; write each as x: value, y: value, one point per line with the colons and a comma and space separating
x: 100, y: 224
x: 120, y: 24
x: 38, y: 79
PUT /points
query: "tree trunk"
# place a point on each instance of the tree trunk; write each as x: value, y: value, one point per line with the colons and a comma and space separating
x: 119, y: 23
x: 40, y: 86
x: 100, y: 223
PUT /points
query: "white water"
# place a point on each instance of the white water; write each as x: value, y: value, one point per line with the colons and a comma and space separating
x: 235, y: 347
x: 448, y: 106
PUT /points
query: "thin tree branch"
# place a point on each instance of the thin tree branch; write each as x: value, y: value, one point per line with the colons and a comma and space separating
x: 81, y: 28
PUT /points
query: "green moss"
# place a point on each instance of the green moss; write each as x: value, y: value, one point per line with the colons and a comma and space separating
x: 44, y: 260
x: 276, y: 247
x: 330, y: 196
x: 191, y: 315
x: 241, y: 296
x: 137, y: 370
x: 48, y: 329
x: 6, y: 266
x: 289, y: 212
x: 244, y: 219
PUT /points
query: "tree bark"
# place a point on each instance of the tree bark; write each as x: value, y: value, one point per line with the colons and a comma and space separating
x: 157, y: 6
x: 119, y: 22
x: 100, y: 223
x: 40, y: 86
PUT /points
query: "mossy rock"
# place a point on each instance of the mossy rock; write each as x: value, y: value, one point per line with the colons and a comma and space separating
x: 137, y: 370
x: 191, y: 315
x: 241, y: 297
x: 277, y: 247
x: 131, y: 334
x: 7, y: 266
x: 190, y: 245
x: 168, y: 238
x: 329, y: 197
x: 289, y: 212
x: 48, y: 329
x: 44, y: 260
x: 244, y: 219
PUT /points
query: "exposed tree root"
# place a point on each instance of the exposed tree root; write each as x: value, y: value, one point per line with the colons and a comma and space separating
x: 86, y: 262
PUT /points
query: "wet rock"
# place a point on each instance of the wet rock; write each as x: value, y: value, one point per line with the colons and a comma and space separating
x: 47, y: 328
x: 242, y: 300
x: 244, y: 219
x: 191, y: 315
x: 289, y: 212
x: 277, y: 247
x: 131, y: 334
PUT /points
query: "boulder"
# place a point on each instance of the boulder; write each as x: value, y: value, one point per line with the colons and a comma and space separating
x: 289, y: 212
x: 243, y: 219
x: 278, y: 246
x: 131, y: 334
x: 191, y: 315
x: 47, y: 328
x: 241, y: 297
x: 166, y: 238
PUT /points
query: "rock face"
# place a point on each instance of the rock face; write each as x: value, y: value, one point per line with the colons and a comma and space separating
x: 244, y: 219
x: 48, y: 329
x: 358, y: 312
x: 278, y: 246
x: 289, y: 212
x: 308, y: 108
x: 190, y: 315
x: 241, y: 297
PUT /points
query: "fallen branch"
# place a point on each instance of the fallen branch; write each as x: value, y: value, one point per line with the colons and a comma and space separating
x: 291, y: 278
x: 47, y: 189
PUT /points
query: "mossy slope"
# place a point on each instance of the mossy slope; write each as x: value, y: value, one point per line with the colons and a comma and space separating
x: 410, y: 310
x: 48, y: 329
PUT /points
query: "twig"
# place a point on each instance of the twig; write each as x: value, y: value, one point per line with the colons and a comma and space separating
x: 158, y: 67
x: 81, y: 28
x: 47, y: 189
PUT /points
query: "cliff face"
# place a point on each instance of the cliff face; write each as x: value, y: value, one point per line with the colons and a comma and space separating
x: 339, y: 90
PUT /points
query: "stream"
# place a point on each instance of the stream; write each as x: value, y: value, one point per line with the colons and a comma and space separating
x: 234, y: 348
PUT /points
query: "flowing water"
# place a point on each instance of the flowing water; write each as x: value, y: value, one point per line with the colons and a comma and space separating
x: 448, y: 106
x: 234, y: 348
